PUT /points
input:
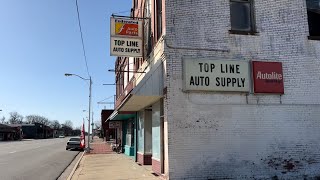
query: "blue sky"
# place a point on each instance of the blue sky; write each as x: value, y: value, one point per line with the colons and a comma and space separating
x: 40, y: 41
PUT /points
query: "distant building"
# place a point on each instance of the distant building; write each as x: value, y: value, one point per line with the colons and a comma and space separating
x: 10, y: 132
x: 18, y: 131
x: 106, y: 132
x: 36, y: 131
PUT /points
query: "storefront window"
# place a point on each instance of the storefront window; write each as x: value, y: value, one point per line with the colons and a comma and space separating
x: 141, y: 132
x: 129, y: 138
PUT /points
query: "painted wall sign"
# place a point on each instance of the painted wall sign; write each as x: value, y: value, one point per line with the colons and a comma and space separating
x: 126, y: 37
x: 215, y: 75
x: 126, y: 47
x: 267, y: 77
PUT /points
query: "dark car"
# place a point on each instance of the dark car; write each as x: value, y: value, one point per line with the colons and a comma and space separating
x: 74, y: 143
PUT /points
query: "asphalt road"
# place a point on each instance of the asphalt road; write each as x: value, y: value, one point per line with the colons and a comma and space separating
x: 34, y: 159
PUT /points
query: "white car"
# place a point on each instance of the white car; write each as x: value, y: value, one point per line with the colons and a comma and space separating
x: 74, y: 143
x: 61, y: 136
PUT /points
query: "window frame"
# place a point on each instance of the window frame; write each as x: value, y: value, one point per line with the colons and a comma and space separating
x: 147, y: 35
x: 253, y: 27
x: 309, y: 11
x: 135, y: 4
x: 158, y: 21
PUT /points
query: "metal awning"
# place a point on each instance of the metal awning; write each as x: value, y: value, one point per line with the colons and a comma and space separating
x: 121, y: 115
x: 137, y: 102
x: 148, y: 90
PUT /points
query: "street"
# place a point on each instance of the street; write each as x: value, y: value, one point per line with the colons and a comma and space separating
x: 34, y: 159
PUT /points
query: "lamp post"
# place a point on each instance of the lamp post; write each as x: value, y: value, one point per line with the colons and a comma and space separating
x: 90, y: 82
x: 92, y: 128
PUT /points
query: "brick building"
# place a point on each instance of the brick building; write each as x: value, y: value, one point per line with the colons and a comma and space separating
x: 9, y: 132
x: 201, y: 109
x: 106, y: 132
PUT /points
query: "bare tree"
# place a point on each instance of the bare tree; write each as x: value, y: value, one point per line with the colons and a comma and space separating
x: 30, y: 119
x: 15, y: 118
x: 67, y: 127
x: 3, y: 120
x: 55, y: 124
x: 68, y: 123
x: 45, y: 121
x: 37, y: 119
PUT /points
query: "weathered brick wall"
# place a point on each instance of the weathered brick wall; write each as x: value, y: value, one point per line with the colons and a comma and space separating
x: 225, y: 135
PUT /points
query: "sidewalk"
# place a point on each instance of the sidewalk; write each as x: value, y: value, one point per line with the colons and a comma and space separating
x: 102, y: 163
x: 100, y: 147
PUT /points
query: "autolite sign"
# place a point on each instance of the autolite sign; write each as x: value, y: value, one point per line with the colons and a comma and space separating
x: 267, y: 77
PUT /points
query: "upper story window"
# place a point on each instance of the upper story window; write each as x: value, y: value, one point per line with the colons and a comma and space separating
x: 147, y: 29
x: 135, y: 4
x: 158, y: 11
x: 242, y: 17
x: 313, y: 10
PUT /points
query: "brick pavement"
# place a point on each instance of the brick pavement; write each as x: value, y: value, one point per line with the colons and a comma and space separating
x: 99, y: 146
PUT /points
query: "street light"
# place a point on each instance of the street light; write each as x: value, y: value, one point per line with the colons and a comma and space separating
x: 90, y: 82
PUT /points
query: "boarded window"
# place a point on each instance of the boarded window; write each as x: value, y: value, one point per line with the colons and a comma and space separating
x: 242, y: 16
x: 147, y: 29
x: 313, y: 10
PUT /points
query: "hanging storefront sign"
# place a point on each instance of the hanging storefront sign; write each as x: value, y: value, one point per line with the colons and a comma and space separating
x: 126, y: 37
x: 267, y: 77
x: 125, y: 27
x: 126, y: 47
x: 114, y: 124
x: 215, y: 75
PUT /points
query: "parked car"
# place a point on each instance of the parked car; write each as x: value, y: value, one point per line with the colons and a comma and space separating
x: 61, y: 136
x: 74, y: 143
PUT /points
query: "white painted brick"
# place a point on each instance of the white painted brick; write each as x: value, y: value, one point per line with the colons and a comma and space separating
x: 219, y: 135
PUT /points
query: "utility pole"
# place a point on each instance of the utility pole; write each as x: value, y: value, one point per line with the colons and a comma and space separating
x: 90, y: 88
x: 92, y: 127
x: 89, y: 114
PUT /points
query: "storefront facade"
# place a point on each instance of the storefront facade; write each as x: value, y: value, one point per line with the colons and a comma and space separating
x: 222, y: 128
x: 216, y: 102
x: 123, y: 124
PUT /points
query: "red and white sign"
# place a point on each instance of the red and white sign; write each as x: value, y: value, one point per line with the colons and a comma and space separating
x: 267, y: 77
x: 126, y: 37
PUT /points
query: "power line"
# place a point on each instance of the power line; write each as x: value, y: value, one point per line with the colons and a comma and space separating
x: 106, y: 98
x: 122, y: 12
x: 84, y: 52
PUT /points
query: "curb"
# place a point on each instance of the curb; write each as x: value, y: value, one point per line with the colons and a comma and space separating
x: 75, y: 167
